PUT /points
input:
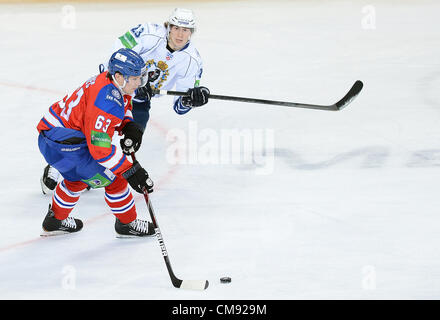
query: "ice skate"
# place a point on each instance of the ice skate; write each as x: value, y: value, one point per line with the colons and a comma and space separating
x: 54, y: 227
x: 136, y: 228
x: 49, y: 180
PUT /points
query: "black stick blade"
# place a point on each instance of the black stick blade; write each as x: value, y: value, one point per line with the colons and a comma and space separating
x: 351, y: 94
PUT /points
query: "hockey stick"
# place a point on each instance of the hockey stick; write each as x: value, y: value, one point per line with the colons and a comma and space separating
x: 351, y: 94
x: 183, y: 284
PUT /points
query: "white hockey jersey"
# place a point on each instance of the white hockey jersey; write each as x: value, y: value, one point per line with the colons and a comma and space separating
x: 180, y: 69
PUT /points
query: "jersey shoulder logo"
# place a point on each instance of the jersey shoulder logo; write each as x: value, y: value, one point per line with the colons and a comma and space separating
x: 107, y: 101
x: 128, y: 40
x: 116, y: 93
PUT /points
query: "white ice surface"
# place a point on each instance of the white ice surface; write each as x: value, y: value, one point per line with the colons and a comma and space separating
x: 350, y: 211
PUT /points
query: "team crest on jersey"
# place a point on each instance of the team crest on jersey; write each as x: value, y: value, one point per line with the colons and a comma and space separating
x: 97, y: 181
x: 160, y: 67
x: 116, y: 94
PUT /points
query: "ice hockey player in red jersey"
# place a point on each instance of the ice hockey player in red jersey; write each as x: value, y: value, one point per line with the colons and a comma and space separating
x: 75, y: 137
x: 173, y: 62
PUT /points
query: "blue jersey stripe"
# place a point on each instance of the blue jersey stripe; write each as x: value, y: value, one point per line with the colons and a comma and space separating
x: 112, y: 153
x: 119, y: 164
x: 47, y: 123
x: 52, y: 111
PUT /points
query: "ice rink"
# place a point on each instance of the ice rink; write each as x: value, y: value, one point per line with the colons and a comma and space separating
x: 310, y: 205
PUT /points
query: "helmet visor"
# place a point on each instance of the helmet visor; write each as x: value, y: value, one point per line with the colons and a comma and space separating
x: 144, y: 77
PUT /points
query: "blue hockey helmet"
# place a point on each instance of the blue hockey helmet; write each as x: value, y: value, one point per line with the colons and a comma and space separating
x: 127, y: 62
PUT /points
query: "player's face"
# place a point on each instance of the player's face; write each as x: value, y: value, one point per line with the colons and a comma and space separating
x: 179, y: 36
x: 132, y: 84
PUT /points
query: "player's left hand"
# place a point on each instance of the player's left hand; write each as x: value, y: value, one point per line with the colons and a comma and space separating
x: 196, y: 97
x: 145, y: 92
x: 132, y: 138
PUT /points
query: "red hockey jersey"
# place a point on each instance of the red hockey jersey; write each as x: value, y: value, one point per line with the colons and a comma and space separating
x: 97, y: 109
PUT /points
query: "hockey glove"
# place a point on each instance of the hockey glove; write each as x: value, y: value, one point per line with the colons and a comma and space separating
x: 132, y: 138
x: 196, y: 97
x: 145, y: 92
x: 138, y: 178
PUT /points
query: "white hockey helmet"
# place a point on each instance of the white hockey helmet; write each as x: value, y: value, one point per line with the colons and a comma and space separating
x: 182, y: 18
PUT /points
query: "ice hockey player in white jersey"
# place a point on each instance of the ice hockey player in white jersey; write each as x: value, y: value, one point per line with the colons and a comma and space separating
x: 172, y: 62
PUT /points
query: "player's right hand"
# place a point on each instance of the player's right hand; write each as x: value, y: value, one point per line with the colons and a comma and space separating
x: 138, y: 178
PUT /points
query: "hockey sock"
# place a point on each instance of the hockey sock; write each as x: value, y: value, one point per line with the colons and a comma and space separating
x: 65, y: 197
x: 122, y: 205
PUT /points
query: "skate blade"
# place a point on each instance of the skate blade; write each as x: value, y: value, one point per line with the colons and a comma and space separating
x: 45, y: 233
x: 127, y: 236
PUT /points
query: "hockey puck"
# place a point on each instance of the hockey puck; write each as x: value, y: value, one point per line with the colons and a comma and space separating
x: 225, y: 280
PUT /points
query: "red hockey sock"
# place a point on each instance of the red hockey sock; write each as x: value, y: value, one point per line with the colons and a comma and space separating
x: 120, y: 200
x: 65, y: 197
